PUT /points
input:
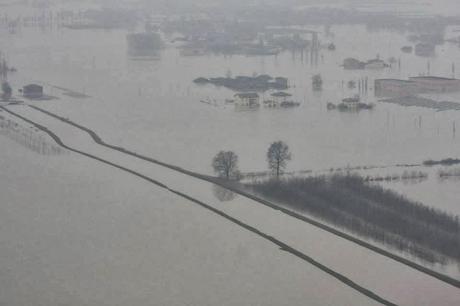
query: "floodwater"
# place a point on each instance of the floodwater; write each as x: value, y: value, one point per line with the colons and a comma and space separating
x: 125, y: 242
x: 411, y: 7
x: 361, y: 265
x: 154, y: 107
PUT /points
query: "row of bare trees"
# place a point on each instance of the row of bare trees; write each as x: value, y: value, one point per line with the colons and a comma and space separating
x: 225, y: 163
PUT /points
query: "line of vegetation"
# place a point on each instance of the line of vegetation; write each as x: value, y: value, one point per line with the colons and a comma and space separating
x: 354, y: 203
x: 370, y: 211
x: 28, y: 137
x: 395, y: 177
x: 264, y: 174
x: 443, y: 162
x: 7, y: 91
x: 407, y: 175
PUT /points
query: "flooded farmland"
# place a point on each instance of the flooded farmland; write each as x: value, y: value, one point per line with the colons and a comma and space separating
x: 155, y: 107
x: 143, y: 103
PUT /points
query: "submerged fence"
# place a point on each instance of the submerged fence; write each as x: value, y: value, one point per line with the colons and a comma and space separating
x: 28, y: 137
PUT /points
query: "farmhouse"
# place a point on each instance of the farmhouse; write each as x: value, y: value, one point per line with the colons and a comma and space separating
x: 425, y: 49
x: 32, y: 91
x: 246, y: 101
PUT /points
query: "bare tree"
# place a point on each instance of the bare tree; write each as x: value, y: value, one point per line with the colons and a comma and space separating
x: 277, y: 156
x: 225, y: 164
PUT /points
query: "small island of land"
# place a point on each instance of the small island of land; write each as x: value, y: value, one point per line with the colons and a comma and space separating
x: 245, y: 83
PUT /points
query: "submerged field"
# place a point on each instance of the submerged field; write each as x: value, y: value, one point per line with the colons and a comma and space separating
x: 92, y: 224
x: 371, y: 211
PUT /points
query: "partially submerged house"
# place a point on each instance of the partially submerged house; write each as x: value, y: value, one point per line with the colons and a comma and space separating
x: 246, y: 101
x: 32, y: 91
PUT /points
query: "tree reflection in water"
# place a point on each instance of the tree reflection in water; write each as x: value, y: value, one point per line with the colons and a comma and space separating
x: 222, y: 194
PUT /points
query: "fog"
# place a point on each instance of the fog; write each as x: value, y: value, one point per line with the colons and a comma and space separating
x: 215, y: 152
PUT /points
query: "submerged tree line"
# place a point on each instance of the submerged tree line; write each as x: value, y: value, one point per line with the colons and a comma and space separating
x: 353, y: 203
x: 371, y: 211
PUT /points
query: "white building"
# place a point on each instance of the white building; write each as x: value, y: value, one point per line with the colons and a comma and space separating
x: 246, y: 101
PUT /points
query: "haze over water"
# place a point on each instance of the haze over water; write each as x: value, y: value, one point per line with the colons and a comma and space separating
x: 152, y: 106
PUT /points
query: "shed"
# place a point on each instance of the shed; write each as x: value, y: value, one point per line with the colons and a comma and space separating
x: 32, y: 91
